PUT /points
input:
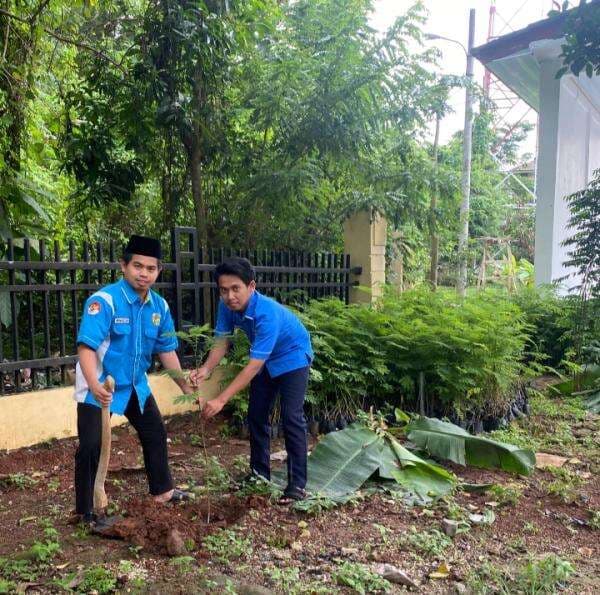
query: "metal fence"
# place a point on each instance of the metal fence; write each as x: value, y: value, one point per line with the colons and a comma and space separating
x: 42, y: 292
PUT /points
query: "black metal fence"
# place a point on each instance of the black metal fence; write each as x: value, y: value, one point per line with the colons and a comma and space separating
x: 43, y: 288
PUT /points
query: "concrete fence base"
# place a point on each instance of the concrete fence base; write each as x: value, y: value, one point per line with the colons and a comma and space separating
x: 34, y: 417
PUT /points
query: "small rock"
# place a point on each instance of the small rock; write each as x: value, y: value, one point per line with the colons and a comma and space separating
x: 302, y: 525
x: 450, y: 527
x: 349, y: 551
x: 543, y: 459
x: 394, y: 575
x: 280, y: 456
x: 175, y: 543
x: 460, y: 588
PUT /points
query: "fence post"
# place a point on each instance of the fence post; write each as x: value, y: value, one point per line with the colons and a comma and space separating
x: 176, y: 259
x: 365, y: 235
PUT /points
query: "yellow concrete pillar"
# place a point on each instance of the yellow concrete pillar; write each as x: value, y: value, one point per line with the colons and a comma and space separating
x: 365, y: 235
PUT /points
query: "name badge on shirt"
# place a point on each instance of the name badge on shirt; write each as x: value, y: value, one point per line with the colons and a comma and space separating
x: 121, y: 320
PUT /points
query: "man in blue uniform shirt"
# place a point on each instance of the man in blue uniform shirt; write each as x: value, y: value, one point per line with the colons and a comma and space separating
x: 123, y: 325
x: 280, y: 358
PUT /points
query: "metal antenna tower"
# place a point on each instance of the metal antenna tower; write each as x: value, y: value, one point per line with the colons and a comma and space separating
x: 510, y: 110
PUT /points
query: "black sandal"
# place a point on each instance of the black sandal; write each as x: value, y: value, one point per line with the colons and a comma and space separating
x: 179, y: 496
x: 292, y: 495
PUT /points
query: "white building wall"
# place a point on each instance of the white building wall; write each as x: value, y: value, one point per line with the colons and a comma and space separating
x: 569, y: 152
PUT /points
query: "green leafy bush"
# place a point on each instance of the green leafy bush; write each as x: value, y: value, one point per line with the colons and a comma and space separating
x: 550, y: 321
x: 469, y: 353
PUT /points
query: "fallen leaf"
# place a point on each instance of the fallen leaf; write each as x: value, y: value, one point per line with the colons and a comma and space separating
x: 441, y: 572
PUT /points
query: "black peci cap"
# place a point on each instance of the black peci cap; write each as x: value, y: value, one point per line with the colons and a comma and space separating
x: 143, y: 246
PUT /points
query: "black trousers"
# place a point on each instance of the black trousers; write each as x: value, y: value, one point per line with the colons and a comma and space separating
x: 292, y: 389
x: 153, y: 438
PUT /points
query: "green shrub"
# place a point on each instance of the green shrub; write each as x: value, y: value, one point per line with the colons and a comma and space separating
x: 469, y: 353
x: 550, y: 319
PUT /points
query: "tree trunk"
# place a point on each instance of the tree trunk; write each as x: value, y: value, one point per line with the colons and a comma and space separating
x: 200, y: 207
x: 434, y: 239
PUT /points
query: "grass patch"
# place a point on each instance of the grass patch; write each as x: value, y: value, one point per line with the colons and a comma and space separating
x: 535, y: 577
x: 432, y: 542
x: 360, y: 578
x: 226, y: 545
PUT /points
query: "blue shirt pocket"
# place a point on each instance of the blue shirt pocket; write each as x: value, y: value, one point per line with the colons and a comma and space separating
x: 119, y: 338
x: 150, y: 336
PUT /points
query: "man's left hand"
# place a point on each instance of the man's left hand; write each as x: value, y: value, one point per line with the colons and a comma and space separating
x: 212, y: 407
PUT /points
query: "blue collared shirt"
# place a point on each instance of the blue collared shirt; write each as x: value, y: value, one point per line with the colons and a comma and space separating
x: 124, y: 332
x: 276, y: 335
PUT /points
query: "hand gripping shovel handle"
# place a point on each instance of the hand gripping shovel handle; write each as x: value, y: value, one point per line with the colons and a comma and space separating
x: 100, y: 499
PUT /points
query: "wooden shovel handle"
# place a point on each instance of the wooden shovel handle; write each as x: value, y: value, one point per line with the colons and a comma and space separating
x: 100, y: 499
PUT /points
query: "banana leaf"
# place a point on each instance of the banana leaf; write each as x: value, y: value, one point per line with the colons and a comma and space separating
x: 343, y: 461
x: 419, y: 476
x: 445, y: 440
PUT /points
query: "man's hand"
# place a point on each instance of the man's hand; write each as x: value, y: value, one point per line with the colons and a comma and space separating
x: 199, y: 375
x: 211, y: 408
x: 103, y: 396
x: 186, y: 389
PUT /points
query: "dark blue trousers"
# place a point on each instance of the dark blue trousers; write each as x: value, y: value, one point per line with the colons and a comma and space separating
x: 292, y: 390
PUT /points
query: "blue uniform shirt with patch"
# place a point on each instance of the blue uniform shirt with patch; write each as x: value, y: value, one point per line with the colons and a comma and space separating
x: 124, y: 332
x: 276, y: 335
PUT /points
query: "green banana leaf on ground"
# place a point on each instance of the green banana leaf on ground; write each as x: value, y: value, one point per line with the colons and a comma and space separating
x: 343, y: 461
x: 445, y: 440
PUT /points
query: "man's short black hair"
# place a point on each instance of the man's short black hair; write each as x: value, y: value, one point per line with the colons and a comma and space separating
x: 236, y: 266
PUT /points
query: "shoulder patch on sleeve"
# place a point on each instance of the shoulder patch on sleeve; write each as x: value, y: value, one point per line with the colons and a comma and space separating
x: 105, y: 296
x: 94, y: 308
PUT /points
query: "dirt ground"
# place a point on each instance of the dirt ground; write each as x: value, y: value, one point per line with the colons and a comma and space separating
x: 234, y: 543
